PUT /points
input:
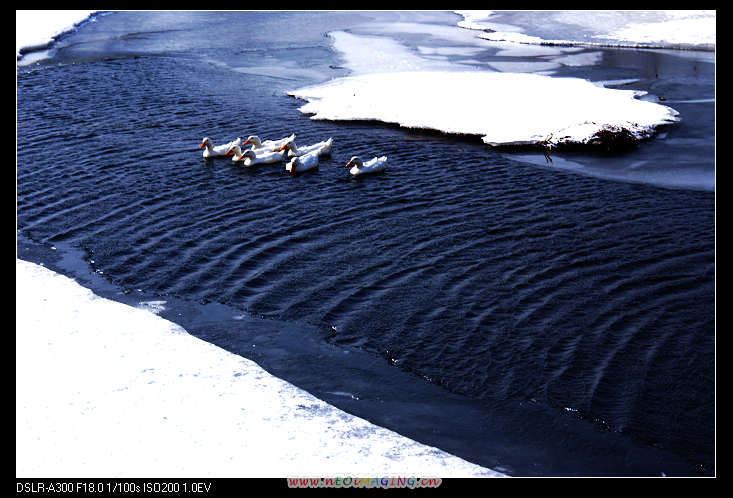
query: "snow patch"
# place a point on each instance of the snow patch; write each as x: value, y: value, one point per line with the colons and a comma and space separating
x: 502, y: 108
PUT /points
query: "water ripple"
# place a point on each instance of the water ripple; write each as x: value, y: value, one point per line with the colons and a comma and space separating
x: 490, y: 278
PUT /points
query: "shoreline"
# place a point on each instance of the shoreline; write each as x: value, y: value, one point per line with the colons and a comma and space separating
x: 40, y: 29
x: 148, y: 399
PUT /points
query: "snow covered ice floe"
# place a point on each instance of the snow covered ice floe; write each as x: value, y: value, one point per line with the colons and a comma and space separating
x: 678, y: 29
x: 503, y: 108
x: 696, y: 30
x: 108, y: 390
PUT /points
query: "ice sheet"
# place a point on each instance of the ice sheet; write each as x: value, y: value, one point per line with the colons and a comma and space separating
x: 659, y: 28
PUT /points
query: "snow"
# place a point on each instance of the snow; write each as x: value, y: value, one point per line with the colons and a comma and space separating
x: 502, y: 108
x: 688, y: 30
x: 472, y: 18
x: 369, y: 54
x: 508, y: 106
x: 108, y: 390
x: 39, y: 27
x: 660, y: 28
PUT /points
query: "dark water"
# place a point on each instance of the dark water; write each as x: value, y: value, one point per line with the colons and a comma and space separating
x: 526, y: 318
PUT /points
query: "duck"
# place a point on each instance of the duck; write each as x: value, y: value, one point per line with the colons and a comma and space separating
x: 219, y: 150
x: 250, y: 157
x: 324, y: 148
x: 303, y: 163
x: 271, y: 145
x: 371, y: 166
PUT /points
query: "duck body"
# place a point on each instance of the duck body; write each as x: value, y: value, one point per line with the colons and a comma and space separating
x: 267, y: 145
x: 219, y: 150
x: 250, y: 157
x: 373, y: 165
x: 323, y: 148
x: 303, y: 163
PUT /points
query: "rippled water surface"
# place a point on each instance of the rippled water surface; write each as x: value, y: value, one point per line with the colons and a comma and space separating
x: 516, y: 287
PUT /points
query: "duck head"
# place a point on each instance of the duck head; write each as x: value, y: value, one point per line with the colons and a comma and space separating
x: 354, y: 161
x: 234, y: 149
x: 287, y: 146
x: 206, y: 142
x: 254, y: 140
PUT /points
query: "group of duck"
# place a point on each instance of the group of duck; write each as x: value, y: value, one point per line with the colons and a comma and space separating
x: 299, y: 159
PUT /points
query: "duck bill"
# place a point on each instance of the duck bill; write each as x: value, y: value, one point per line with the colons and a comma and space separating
x: 246, y: 142
x: 202, y: 145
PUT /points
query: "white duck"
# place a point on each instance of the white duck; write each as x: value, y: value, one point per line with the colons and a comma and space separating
x: 219, y: 150
x: 257, y: 144
x: 251, y: 157
x: 303, y: 163
x: 324, y: 148
x: 371, y: 166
